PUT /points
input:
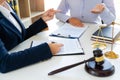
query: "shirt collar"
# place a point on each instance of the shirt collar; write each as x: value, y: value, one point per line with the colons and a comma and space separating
x: 5, y: 11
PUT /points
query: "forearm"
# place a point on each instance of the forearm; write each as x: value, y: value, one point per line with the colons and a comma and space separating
x: 23, y: 58
x: 35, y: 28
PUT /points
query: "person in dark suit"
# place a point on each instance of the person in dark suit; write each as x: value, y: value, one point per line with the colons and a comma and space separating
x: 13, y: 32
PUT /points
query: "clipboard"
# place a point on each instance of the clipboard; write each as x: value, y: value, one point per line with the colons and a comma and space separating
x: 69, y: 31
x: 71, y: 46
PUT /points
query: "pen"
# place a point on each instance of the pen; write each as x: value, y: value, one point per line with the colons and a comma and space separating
x: 68, y: 54
x: 31, y: 44
x: 53, y: 42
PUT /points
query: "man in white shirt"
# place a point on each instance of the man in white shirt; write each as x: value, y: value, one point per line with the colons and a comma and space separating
x: 88, y: 11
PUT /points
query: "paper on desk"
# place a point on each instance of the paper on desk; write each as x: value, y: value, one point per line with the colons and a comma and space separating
x: 69, y: 31
x: 71, y: 46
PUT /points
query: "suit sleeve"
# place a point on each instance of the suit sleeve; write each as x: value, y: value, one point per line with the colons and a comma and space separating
x: 35, y: 28
x: 13, y: 61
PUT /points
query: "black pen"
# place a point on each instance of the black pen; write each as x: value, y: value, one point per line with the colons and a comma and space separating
x: 68, y: 54
x: 31, y: 44
x: 53, y: 42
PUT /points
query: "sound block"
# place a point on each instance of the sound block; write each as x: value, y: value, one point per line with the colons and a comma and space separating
x: 104, y: 70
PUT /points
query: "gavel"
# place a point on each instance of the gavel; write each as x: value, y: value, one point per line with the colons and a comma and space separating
x: 96, y: 65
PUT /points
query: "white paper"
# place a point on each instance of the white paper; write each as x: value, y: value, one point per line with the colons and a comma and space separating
x: 71, y: 46
x: 69, y: 31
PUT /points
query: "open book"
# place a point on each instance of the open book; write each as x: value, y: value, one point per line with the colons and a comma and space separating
x: 71, y: 46
x: 69, y: 31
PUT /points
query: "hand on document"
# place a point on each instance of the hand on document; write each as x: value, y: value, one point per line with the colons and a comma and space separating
x: 55, y: 47
x: 70, y: 46
x: 75, y: 22
x: 64, y: 46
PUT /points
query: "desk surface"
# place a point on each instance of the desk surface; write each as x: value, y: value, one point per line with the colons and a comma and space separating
x: 40, y: 70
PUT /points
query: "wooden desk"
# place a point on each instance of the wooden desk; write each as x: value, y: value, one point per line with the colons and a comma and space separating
x: 40, y: 70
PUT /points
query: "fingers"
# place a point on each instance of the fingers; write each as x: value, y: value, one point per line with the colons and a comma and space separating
x: 55, y: 47
x: 58, y: 44
x: 49, y: 14
x: 52, y: 11
x: 98, y: 8
x: 75, y: 22
x: 55, y: 11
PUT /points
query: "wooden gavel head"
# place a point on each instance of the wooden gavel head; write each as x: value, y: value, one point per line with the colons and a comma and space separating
x: 98, y: 55
x: 99, y: 67
x: 96, y: 65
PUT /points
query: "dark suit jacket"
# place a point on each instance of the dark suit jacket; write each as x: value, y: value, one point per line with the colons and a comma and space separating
x: 10, y: 37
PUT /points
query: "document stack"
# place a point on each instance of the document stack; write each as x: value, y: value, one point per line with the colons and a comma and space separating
x: 105, y: 34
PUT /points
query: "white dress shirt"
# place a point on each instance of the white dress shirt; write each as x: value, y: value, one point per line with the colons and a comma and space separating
x: 81, y: 9
x: 8, y: 15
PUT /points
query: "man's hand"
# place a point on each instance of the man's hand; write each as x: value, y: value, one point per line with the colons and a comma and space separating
x: 98, y: 8
x: 49, y: 14
x: 75, y: 22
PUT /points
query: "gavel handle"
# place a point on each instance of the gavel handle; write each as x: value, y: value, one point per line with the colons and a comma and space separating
x: 69, y: 66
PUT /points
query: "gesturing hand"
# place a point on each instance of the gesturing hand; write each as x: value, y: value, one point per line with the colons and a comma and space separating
x: 98, y: 9
x: 49, y: 14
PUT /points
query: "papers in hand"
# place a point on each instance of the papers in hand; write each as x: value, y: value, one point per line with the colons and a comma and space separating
x: 71, y: 46
x: 69, y: 31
